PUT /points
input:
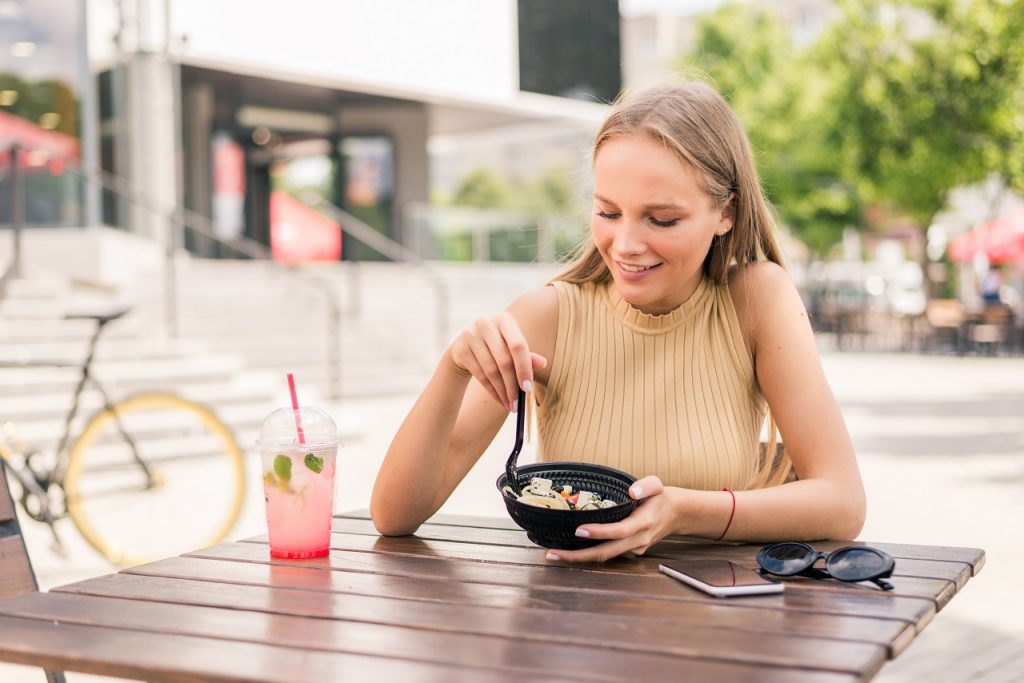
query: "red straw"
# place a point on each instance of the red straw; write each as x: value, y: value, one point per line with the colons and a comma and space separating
x: 295, y: 405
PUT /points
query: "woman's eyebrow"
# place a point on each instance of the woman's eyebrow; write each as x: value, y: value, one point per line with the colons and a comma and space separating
x: 660, y: 206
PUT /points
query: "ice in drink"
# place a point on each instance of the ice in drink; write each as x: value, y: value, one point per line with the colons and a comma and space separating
x: 298, y: 481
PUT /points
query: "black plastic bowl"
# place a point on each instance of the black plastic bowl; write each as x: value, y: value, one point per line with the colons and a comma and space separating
x: 556, y: 529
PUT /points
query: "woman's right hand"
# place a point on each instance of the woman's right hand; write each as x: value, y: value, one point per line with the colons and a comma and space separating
x: 494, y: 351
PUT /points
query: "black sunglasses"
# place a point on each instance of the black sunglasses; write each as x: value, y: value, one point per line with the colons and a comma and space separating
x: 852, y: 563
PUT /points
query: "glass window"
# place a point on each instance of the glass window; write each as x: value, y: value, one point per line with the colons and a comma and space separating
x: 40, y: 48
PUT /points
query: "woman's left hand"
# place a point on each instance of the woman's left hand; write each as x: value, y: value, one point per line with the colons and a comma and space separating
x: 652, y: 520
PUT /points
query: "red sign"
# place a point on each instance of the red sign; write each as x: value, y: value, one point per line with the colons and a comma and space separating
x: 299, y: 234
x: 41, y: 148
x: 1001, y: 240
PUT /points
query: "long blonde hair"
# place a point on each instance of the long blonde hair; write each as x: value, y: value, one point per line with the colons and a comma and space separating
x: 695, y: 123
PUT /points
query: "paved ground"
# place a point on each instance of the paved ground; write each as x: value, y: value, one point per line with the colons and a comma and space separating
x: 941, y: 447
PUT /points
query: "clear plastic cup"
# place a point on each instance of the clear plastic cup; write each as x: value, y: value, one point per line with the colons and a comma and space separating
x: 298, y: 480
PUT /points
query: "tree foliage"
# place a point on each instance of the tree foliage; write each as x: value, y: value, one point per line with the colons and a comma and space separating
x: 550, y: 192
x: 35, y: 98
x: 927, y: 95
x: 893, y: 105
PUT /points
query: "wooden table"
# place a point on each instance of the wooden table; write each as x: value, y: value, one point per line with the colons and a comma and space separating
x: 470, y: 599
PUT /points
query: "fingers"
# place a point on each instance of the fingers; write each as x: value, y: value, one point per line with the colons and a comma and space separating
x: 481, y: 363
x: 631, y: 536
x: 602, y: 552
x: 645, y: 488
x: 516, y: 348
x: 495, y: 352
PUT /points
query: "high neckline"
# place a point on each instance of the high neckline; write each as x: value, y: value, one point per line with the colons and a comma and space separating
x: 636, y: 319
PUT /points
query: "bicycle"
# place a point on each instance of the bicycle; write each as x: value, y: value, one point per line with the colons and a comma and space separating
x: 136, y: 465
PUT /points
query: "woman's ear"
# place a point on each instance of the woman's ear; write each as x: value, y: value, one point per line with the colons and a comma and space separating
x: 728, y: 216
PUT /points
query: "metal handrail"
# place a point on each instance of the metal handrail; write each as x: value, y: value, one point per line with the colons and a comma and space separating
x: 199, y: 224
x: 185, y: 218
x: 391, y: 249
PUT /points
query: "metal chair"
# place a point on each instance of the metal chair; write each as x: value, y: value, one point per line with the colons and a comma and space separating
x: 16, y: 574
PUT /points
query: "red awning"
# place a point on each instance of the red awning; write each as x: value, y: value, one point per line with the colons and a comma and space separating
x: 299, y: 234
x: 1001, y: 240
x: 40, y: 147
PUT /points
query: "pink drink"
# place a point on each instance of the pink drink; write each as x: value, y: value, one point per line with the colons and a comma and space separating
x: 300, y: 501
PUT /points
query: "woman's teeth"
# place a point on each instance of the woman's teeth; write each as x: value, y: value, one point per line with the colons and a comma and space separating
x: 634, y: 269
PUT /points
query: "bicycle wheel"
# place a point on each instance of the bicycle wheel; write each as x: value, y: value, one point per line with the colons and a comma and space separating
x: 190, y: 499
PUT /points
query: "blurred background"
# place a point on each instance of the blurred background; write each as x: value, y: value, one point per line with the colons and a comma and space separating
x: 337, y: 189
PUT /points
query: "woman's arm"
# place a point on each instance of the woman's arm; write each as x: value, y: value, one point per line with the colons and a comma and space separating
x: 828, y: 499
x: 461, y: 409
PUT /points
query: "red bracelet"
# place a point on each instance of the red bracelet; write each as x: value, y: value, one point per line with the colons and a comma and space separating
x: 731, y: 514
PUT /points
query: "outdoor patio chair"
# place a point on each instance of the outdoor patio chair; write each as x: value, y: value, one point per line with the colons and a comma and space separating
x: 946, y: 318
x: 16, y: 574
x: 992, y: 331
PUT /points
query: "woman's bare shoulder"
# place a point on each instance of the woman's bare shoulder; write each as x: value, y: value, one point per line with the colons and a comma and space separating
x: 752, y: 279
x: 762, y: 292
x: 538, y: 305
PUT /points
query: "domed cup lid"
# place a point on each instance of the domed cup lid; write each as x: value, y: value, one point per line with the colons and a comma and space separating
x: 280, y: 430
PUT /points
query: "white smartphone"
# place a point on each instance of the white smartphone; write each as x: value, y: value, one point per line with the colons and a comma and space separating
x: 720, y: 578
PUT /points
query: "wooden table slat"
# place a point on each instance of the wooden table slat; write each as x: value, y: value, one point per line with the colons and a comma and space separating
x: 149, y: 655
x: 657, y: 597
x: 470, y: 599
x: 954, y: 571
x: 971, y: 556
x: 586, y: 605
x: 908, y: 587
x: 502, y: 639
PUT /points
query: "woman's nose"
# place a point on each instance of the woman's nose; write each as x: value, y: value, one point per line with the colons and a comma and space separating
x: 629, y: 239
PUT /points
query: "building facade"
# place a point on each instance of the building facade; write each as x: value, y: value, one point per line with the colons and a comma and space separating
x: 219, y: 107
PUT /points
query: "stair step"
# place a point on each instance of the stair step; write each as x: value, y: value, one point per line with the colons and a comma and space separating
x: 56, y: 404
x: 127, y: 373
x: 44, y: 434
x: 73, y: 351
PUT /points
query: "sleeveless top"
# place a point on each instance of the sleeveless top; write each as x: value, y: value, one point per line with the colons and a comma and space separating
x: 672, y: 395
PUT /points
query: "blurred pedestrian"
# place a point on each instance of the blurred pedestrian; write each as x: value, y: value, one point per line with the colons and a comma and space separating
x: 660, y: 350
x: 991, y: 284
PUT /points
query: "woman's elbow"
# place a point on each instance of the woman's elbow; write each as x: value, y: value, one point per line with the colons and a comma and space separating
x: 849, y: 521
x: 388, y: 523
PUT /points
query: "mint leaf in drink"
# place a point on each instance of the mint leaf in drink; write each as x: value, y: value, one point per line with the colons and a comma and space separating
x: 283, y: 467
x: 314, y: 462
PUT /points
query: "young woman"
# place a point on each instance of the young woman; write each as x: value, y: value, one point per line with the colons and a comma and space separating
x: 660, y: 351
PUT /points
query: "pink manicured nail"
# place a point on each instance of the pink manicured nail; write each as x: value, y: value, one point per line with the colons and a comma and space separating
x: 553, y: 557
x: 637, y: 491
x: 582, y: 533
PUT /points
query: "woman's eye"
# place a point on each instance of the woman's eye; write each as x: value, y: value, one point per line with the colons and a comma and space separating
x: 664, y: 224
x: 607, y: 214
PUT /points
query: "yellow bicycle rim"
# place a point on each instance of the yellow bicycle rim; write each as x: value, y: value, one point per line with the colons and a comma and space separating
x: 77, y: 463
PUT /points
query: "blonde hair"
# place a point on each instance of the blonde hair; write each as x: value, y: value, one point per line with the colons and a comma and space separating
x: 694, y: 122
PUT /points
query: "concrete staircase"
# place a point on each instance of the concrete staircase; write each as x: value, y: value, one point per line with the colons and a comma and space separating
x: 131, y: 358
x: 389, y: 333
x: 241, y: 326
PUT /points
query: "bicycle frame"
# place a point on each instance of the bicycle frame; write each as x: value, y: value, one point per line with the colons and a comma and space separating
x: 39, y: 483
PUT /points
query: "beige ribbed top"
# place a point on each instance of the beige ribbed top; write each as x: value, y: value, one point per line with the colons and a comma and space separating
x: 672, y: 395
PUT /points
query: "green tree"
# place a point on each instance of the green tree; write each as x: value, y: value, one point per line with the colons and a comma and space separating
x: 482, y: 188
x: 897, y: 103
x: 927, y: 97
x: 35, y: 98
x: 777, y: 90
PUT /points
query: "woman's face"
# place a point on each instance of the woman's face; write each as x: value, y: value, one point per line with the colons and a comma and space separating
x: 652, y: 222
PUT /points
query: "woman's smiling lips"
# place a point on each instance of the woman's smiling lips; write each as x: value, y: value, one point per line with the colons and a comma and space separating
x: 632, y: 271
